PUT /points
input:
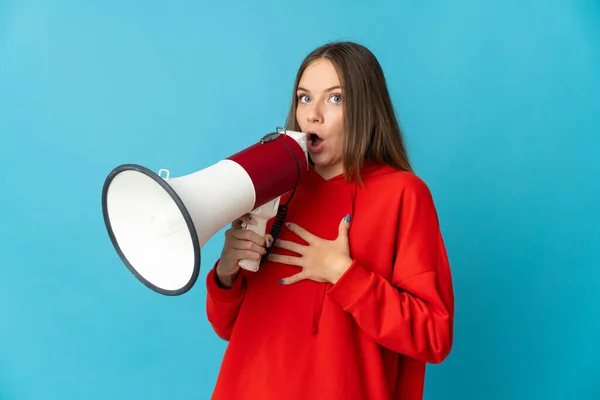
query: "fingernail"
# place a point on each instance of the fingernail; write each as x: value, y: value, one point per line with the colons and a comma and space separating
x: 288, y: 224
x: 281, y: 281
x: 347, y: 219
x: 269, y: 242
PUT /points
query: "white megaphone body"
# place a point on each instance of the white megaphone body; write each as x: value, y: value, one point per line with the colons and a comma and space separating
x: 158, y: 224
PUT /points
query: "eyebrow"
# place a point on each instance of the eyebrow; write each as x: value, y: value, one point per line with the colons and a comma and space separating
x: 327, y: 90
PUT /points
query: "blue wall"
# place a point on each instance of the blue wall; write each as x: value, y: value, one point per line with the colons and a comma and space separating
x: 500, y: 104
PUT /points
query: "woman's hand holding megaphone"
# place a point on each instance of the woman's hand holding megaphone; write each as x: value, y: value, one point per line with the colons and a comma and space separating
x: 240, y: 244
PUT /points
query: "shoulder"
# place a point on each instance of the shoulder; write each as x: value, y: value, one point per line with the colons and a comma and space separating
x: 398, y: 190
x: 406, y: 183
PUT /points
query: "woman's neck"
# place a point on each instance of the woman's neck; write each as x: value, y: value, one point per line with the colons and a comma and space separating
x: 328, y: 172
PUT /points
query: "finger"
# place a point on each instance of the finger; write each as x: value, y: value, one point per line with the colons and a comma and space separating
x: 292, y: 246
x: 247, y: 218
x: 268, y: 240
x: 244, y: 221
x: 303, y: 233
x: 241, y: 239
x: 247, y: 245
x: 247, y: 234
x: 300, y: 276
x: 245, y: 255
x: 289, y: 260
x: 343, y: 228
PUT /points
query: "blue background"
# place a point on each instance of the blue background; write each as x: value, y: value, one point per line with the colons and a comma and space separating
x: 500, y: 105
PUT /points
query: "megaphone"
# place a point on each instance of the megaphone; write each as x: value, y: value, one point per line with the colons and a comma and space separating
x: 159, y: 224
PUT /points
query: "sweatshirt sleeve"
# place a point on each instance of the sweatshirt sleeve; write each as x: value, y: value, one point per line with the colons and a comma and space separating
x: 414, y: 313
x: 222, y: 304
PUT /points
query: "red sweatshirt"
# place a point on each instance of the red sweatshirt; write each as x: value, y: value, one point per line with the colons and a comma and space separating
x: 367, y: 337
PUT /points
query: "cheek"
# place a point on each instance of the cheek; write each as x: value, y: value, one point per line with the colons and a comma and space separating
x: 338, y: 124
x: 301, y: 112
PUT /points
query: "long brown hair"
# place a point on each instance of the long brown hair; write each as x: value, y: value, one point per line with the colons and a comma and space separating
x: 371, y: 126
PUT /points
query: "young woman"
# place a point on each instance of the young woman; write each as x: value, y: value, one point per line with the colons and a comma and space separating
x: 356, y: 294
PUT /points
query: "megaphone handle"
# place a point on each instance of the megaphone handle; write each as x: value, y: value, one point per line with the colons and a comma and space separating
x: 261, y: 229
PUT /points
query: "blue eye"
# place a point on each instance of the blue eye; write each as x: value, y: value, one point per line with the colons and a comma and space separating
x: 304, y: 98
x: 337, y: 98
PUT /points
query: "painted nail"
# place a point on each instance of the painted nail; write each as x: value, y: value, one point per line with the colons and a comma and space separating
x: 281, y: 281
x: 347, y: 219
x: 288, y: 224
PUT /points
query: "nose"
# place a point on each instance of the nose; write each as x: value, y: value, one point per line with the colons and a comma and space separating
x: 314, y: 114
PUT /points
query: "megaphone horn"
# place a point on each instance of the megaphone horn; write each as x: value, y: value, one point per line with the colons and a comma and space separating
x: 158, y: 224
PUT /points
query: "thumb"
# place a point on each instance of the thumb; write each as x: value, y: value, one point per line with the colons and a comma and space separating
x: 344, y: 226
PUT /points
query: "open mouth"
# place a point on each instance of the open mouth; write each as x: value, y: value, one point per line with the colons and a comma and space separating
x: 314, y: 138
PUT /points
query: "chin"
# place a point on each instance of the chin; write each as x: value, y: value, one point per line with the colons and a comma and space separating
x: 325, y: 164
x: 319, y: 160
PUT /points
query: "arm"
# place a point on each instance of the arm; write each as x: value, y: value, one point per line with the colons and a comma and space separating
x: 414, y: 313
x: 223, y: 304
x: 224, y: 298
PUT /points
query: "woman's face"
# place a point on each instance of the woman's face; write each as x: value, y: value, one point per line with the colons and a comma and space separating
x: 320, y: 114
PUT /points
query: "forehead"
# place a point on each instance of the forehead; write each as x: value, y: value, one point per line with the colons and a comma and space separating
x: 319, y: 75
